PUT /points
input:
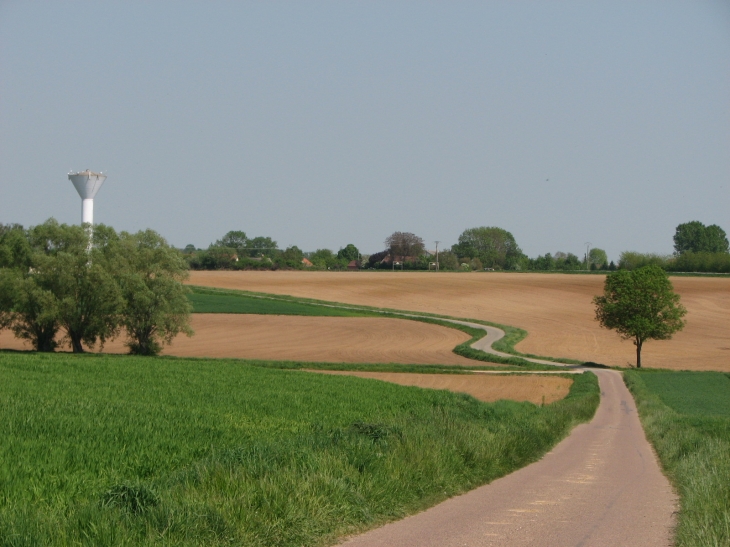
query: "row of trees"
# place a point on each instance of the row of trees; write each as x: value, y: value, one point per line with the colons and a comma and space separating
x: 479, y: 248
x: 235, y: 251
x: 686, y: 262
x: 64, y: 285
x: 697, y: 248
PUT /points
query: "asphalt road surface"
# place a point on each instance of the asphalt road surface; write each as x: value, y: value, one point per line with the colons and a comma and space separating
x: 600, y: 487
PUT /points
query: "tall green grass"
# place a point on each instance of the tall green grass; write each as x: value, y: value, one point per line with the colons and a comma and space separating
x: 687, y: 419
x: 117, y: 450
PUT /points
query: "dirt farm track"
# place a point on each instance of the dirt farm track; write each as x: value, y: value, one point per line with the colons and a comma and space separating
x: 555, y: 309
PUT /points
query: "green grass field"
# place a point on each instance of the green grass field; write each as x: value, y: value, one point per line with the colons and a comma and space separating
x: 215, y: 302
x: 118, y: 450
x: 692, y: 393
x: 686, y: 416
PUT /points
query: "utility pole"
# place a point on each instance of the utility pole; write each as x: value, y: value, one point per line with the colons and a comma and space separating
x: 437, y: 255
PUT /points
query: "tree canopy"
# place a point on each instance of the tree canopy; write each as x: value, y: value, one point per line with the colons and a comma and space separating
x: 150, y: 275
x: 56, y: 278
x: 262, y: 246
x: 640, y: 305
x: 695, y: 237
x: 493, y: 246
x: 350, y: 252
x: 597, y: 258
x: 404, y: 245
x: 235, y: 239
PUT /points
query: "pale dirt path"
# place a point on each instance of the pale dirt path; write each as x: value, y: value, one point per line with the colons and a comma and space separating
x: 555, y: 309
x: 600, y: 487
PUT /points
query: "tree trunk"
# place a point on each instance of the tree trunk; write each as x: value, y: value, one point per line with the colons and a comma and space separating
x: 638, y: 352
x: 45, y: 338
x: 76, y: 344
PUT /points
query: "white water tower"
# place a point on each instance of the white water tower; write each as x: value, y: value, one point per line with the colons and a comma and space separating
x: 87, y: 184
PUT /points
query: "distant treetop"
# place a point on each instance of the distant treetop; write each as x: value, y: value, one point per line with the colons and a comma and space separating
x: 695, y: 237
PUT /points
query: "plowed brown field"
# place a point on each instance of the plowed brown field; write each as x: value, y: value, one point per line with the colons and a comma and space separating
x: 555, y: 309
x: 536, y: 389
x: 294, y: 338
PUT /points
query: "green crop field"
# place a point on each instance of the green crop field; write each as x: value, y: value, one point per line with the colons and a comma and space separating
x: 118, y: 450
x: 231, y: 302
x: 692, y: 393
x: 686, y: 416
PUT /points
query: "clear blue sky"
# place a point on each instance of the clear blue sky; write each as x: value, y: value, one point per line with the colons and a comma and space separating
x: 326, y: 123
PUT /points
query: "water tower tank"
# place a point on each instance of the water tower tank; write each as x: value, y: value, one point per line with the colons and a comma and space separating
x: 87, y: 184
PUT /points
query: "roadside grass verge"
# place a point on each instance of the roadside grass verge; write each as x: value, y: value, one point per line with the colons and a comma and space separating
x: 686, y: 416
x: 119, y: 450
x: 211, y: 300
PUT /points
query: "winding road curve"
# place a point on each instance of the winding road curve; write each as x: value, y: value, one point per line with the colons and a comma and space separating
x: 600, y: 487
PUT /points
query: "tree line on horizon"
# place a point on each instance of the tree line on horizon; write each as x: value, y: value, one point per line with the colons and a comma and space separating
x: 698, y: 248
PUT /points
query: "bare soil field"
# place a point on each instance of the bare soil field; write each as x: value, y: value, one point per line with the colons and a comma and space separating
x: 555, y: 309
x: 535, y: 389
x: 313, y: 339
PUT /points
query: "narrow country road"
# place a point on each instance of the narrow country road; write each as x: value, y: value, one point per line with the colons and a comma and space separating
x: 600, y: 487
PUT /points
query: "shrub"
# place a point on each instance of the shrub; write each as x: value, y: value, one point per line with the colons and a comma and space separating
x: 700, y: 262
x: 630, y: 260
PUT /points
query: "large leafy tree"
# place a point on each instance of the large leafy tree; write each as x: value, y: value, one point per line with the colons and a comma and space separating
x: 25, y: 308
x: 74, y: 266
x: 88, y: 298
x: 597, y: 258
x: 493, y: 246
x: 291, y: 257
x: 640, y: 305
x: 349, y: 253
x: 28, y: 310
x: 324, y: 259
x: 695, y: 237
x: 404, y: 244
x: 235, y: 239
x: 262, y: 246
x: 156, y: 307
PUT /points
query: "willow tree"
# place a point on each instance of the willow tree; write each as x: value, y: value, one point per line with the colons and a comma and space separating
x: 53, y: 279
x: 156, y: 308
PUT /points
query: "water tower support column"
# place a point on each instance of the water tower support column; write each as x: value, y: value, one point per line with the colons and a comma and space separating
x: 87, y: 211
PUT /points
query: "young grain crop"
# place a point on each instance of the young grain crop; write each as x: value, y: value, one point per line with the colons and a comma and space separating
x: 686, y: 416
x: 114, y: 450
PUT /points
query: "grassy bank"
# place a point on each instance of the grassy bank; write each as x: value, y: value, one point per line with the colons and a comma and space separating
x: 210, y: 300
x: 118, y: 450
x: 686, y: 416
